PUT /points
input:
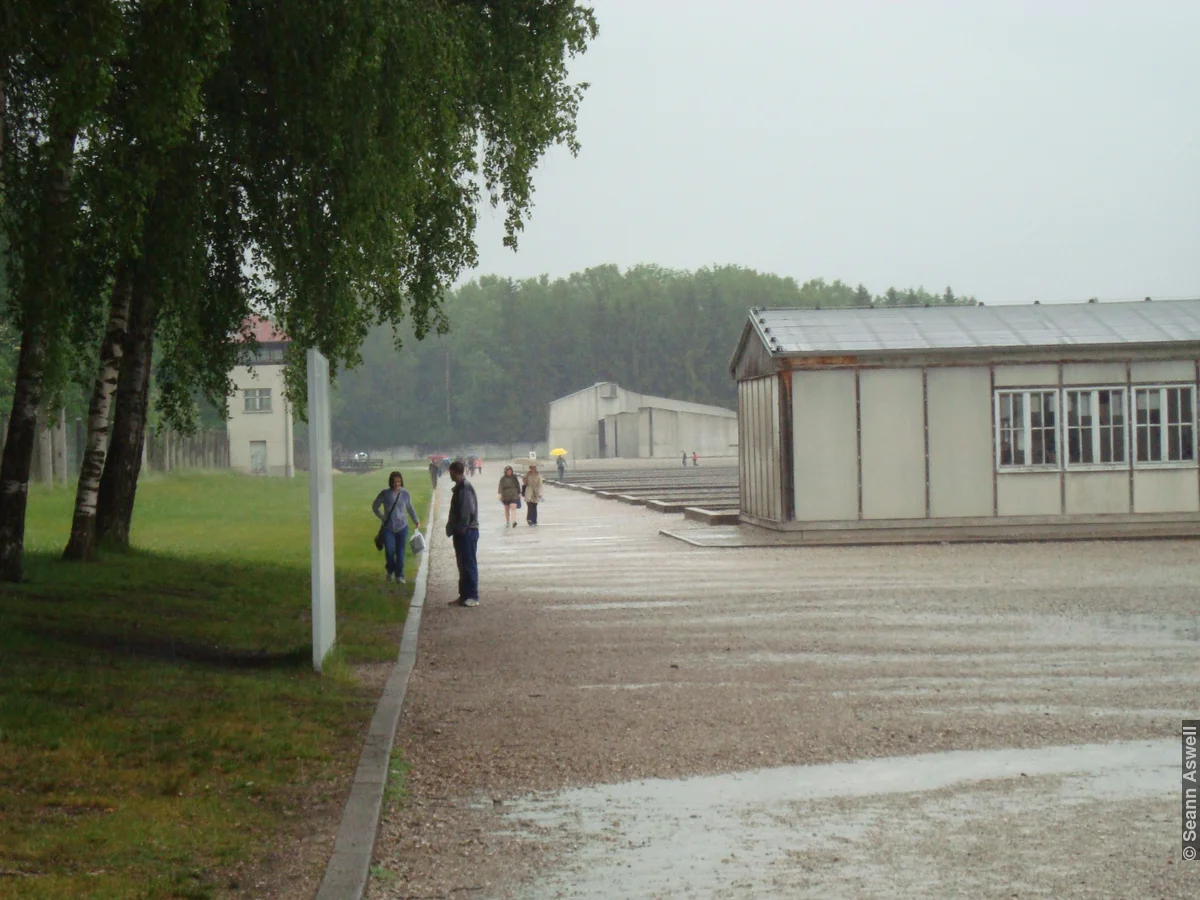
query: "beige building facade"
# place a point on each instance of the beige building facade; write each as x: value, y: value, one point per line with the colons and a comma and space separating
x: 260, y: 422
x: 607, y: 421
x: 950, y: 418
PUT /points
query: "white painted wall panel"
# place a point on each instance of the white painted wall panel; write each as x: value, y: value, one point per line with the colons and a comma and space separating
x: 825, y: 447
x: 1165, y: 490
x: 1094, y: 373
x: 1171, y: 371
x: 1028, y: 494
x: 1027, y: 376
x: 1095, y: 493
x: 960, y: 442
x: 893, y: 444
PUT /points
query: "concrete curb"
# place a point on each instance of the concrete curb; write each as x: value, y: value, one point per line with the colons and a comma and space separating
x: 349, y: 867
x: 712, y: 516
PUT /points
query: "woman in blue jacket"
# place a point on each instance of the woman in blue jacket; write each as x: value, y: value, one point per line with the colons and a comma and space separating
x: 390, y: 508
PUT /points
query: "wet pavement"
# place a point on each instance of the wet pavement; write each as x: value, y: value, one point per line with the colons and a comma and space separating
x: 629, y: 716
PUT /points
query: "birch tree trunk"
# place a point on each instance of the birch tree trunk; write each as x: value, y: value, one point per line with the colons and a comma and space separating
x: 128, y: 452
x: 38, y: 294
x: 81, y: 544
x: 18, y: 453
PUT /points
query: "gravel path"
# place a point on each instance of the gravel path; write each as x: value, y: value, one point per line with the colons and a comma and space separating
x: 610, y: 668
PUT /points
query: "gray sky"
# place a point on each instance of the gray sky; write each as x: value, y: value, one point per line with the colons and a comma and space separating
x: 1015, y: 150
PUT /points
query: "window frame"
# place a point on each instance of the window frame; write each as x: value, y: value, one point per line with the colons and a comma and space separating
x: 259, y: 394
x: 1163, y: 425
x: 1127, y: 443
x: 1027, y: 429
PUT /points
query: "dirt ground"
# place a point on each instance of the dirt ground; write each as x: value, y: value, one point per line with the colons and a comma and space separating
x: 627, y: 716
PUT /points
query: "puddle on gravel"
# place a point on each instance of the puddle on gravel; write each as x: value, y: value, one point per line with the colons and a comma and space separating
x: 755, y: 833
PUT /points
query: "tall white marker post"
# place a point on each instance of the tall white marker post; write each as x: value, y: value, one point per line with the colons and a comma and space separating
x: 320, y: 471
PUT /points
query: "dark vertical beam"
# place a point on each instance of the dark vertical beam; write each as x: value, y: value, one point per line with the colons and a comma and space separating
x: 1060, y: 449
x: 1130, y: 427
x: 995, y: 443
x: 787, y: 481
x: 925, y: 428
x: 858, y: 437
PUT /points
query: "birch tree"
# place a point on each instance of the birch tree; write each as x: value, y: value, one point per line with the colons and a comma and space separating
x: 56, y: 64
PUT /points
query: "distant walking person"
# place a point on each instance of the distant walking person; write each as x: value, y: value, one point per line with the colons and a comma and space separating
x: 433, y: 473
x: 533, y: 494
x: 462, y: 527
x: 562, y: 468
x: 397, y: 501
x: 509, y: 492
x: 695, y: 459
x: 684, y: 459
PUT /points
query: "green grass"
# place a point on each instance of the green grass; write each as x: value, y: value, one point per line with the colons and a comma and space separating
x: 159, y: 717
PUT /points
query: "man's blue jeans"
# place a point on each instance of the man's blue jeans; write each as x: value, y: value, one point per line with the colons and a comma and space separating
x: 394, y: 543
x: 465, y: 546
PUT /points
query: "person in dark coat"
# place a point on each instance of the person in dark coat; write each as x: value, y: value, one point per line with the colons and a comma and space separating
x: 510, y: 494
x: 462, y: 527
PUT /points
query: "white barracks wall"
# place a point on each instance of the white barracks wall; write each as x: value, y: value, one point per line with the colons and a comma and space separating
x: 892, y: 417
x: 758, y: 458
x: 960, y: 442
x: 825, y: 445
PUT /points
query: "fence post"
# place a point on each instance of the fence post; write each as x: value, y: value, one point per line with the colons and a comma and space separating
x: 60, y: 447
x: 45, y: 445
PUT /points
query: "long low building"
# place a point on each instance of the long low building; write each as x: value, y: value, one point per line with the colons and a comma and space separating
x: 607, y: 421
x: 938, y: 419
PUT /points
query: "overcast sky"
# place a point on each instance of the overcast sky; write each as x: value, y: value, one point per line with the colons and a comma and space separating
x: 1014, y: 150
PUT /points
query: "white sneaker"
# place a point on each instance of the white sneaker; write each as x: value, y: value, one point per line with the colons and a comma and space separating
x: 471, y: 601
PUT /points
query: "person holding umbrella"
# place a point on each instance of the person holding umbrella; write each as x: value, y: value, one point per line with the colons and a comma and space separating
x: 560, y: 461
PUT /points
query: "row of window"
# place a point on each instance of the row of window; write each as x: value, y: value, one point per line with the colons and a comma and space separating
x: 257, y: 399
x: 1104, y: 426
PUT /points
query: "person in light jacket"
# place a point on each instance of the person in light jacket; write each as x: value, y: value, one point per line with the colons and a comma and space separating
x: 533, y: 494
x: 390, y: 507
x: 509, y: 492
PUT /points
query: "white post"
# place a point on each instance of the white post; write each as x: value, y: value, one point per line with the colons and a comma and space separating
x: 320, y: 473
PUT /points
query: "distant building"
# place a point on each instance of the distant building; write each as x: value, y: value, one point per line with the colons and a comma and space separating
x: 260, y: 420
x: 956, y: 423
x: 606, y: 421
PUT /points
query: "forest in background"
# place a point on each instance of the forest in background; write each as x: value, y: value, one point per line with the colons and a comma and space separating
x: 516, y: 345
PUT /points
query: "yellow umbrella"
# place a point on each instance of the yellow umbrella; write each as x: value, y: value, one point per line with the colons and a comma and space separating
x: 558, y: 451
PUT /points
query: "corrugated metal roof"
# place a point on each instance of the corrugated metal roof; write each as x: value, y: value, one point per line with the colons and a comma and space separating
x: 788, y: 332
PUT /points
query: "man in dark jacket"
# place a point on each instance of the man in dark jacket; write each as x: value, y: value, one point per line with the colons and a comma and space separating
x: 462, y: 527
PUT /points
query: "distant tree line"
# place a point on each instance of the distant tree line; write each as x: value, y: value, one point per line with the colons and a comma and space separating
x: 514, y: 346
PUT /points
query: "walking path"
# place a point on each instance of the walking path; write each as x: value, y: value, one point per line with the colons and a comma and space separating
x: 628, y: 716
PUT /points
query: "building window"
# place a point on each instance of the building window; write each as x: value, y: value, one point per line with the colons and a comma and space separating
x: 258, y: 400
x: 1096, y: 427
x: 1027, y: 428
x: 1164, y: 425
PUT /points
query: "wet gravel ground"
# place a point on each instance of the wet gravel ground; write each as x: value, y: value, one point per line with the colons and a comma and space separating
x: 605, y: 657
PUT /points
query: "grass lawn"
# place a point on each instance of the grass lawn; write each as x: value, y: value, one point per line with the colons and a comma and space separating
x: 159, y: 716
